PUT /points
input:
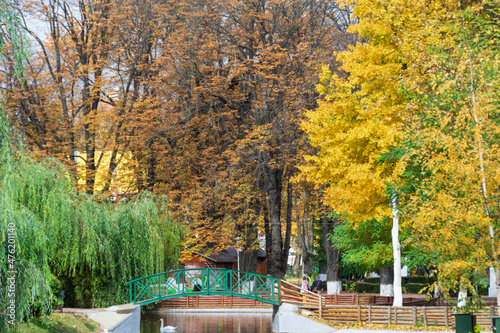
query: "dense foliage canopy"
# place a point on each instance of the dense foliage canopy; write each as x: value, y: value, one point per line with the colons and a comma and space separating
x: 417, y: 116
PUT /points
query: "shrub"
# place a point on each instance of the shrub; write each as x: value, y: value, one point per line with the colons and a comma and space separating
x: 373, y: 280
x: 363, y: 287
x: 414, y: 288
x: 416, y: 279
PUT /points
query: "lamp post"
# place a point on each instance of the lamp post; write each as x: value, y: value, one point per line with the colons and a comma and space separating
x: 239, y: 278
x: 62, y: 299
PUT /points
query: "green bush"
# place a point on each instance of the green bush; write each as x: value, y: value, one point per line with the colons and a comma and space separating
x: 416, y: 279
x: 414, y: 288
x: 363, y: 287
x: 348, y: 286
x: 482, y: 290
x: 373, y: 280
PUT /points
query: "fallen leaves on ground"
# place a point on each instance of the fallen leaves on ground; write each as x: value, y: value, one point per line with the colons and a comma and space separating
x: 366, y: 326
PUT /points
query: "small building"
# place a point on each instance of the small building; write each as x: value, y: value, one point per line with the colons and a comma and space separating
x: 227, y: 259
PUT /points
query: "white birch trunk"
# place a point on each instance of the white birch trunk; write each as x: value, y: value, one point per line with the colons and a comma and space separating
x: 492, y: 290
x: 484, y: 189
x: 334, y: 287
x: 462, y: 297
x: 497, y: 271
x: 386, y: 290
x: 398, y: 292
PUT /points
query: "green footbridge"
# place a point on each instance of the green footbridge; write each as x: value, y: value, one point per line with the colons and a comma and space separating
x: 204, y: 281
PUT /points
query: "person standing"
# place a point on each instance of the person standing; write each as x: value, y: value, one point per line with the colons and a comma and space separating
x: 304, y: 285
x: 310, y: 281
x: 317, y: 285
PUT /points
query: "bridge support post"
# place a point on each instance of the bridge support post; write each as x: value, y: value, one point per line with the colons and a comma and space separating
x: 275, y: 311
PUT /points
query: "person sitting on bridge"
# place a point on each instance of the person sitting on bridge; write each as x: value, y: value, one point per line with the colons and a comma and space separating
x: 197, y: 286
x: 317, y: 285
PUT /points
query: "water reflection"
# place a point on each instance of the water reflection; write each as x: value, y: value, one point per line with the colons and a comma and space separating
x: 208, y: 322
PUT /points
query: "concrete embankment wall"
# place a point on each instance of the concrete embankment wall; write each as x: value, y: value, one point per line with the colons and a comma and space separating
x: 129, y: 324
x: 125, y: 318
x: 286, y: 321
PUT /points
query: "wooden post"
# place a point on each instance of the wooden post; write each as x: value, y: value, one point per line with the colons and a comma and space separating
x: 369, y: 314
x: 353, y: 299
x: 320, y: 306
x: 336, y: 300
x: 425, y: 316
x: 395, y: 316
x: 359, y: 313
x: 389, y: 313
x: 492, y: 313
x: 414, y: 316
x: 446, y: 317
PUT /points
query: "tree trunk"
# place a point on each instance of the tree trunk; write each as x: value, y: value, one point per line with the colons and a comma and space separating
x: 278, y: 255
x: 90, y: 168
x: 248, y: 233
x: 307, y: 265
x: 296, y: 263
x: 386, y: 281
x: 334, y: 281
x: 462, y: 297
x: 497, y: 276
x: 248, y: 261
x: 305, y: 234
x: 398, y: 292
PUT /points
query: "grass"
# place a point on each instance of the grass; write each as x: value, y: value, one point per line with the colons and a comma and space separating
x: 58, y: 323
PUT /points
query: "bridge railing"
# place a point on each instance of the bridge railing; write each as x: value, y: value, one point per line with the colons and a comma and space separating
x: 204, y: 281
x: 291, y: 293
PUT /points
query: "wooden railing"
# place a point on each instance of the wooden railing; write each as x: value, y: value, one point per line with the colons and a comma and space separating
x: 291, y: 293
x: 210, y: 302
x: 374, y: 299
x: 411, y: 316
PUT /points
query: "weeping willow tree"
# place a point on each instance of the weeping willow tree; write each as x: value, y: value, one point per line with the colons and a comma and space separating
x: 52, y: 237
x: 68, y: 240
x: 92, y: 246
x: 59, y: 238
x: 63, y: 239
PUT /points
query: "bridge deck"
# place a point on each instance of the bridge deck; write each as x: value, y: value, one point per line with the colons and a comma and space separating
x: 217, y: 281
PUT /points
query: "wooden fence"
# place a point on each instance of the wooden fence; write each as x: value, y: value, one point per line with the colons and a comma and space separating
x: 210, y: 301
x: 290, y: 294
x: 373, y: 299
x: 411, y: 316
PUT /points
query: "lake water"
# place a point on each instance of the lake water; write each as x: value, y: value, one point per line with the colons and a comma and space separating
x: 193, y: 322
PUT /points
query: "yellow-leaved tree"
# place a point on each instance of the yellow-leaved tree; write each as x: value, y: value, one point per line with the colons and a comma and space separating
x: 455, y: 140
x: 365, y: 124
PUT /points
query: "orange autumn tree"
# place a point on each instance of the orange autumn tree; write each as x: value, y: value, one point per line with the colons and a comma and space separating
x: 245, y: 71
x: 87, y: 88
x: 204, y: 97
